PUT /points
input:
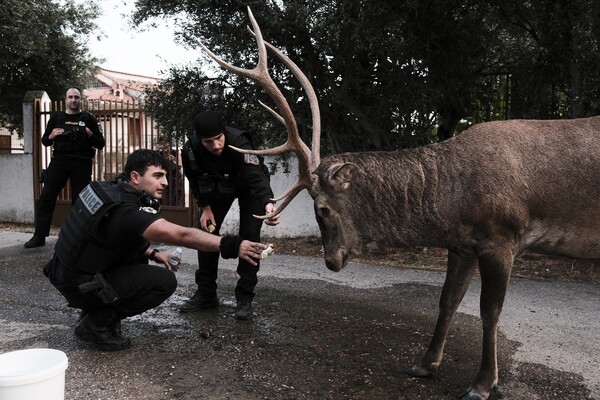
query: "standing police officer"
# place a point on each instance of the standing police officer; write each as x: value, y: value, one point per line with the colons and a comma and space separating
x: 100, y: 264
x: 74, y: 135
x: 217, y: 175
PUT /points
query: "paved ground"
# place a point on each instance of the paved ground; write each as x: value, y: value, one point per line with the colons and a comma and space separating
x: 316, y: 335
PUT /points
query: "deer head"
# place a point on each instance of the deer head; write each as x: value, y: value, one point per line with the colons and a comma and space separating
x: 321, y: 187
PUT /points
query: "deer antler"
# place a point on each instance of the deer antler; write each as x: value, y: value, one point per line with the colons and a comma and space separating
x: 312, y: 101
x: 307, y: 160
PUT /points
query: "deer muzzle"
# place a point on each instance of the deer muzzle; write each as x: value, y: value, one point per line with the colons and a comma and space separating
x: 337, y: 261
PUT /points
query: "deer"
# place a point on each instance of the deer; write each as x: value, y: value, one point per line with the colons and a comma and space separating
x: 486, y: 195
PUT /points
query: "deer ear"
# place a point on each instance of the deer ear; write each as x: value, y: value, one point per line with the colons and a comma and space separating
x: 340, y: 175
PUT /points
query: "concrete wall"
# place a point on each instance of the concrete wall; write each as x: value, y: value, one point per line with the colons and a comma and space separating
x: 17, y: 205
x: 16, y: 191
x: 298, y: 218
x: 16, y: 171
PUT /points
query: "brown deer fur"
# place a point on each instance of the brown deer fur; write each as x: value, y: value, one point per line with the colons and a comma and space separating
x: 533, y: 182
x: 487, y: 195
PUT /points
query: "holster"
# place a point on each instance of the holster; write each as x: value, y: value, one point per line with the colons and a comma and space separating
x: 101, y: 288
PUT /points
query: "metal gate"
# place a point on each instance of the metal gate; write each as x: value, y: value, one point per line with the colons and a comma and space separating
x: 126, y: 128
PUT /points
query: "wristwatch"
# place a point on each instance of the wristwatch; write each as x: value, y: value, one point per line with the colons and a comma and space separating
x: 151, y: 255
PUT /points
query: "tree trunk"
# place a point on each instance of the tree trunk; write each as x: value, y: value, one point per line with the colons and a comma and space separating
x: 596, y: 20
x: 576, y: 83
x: 449, y: 119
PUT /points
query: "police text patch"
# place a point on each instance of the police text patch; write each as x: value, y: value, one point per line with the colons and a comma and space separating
x: 90, y: 199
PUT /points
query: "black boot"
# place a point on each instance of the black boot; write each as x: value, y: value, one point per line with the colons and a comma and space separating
x: 244, y: 308
x: 116, y: 327
x: 103, y: 331
x: 199, y: 302
x: 35, y: 241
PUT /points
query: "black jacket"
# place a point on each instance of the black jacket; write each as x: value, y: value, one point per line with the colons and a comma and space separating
x: 214, y: 177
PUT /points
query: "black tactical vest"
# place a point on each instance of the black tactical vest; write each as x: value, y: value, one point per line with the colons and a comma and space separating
x: 74, y: 140
x: 79, y: 244
x: 217, y: 180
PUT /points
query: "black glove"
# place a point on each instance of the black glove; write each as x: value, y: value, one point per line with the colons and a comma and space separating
x: 230, y: 246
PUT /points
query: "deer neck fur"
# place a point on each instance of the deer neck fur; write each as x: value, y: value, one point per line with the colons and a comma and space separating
x: 397, y: 198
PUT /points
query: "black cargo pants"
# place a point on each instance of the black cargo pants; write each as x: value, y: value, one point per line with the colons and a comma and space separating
x: 61, y: 169
x: 140, y: 287
x: 208, y: 262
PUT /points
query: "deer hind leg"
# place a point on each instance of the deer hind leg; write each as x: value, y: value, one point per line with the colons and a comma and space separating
x: 461, y: 268
x: 494, y: 267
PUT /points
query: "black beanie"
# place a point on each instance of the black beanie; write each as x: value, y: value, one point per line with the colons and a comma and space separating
x: 208, y: 124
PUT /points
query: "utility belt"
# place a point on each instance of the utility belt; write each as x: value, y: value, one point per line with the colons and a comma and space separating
x: 71, y: 281
x: 79, y: 157
x: 72, y: 156
x: 224, y: 186
x: 79, y: 147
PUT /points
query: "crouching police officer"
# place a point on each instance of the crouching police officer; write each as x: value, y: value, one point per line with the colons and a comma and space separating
x: 217, y: 175
x: 100, y: 264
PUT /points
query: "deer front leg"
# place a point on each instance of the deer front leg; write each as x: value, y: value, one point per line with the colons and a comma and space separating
x: 495, y: 270
x: 461, y: 268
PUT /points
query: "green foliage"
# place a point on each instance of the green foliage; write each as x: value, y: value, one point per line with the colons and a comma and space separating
x: 177, y: 99
x: 186, y: 91
x: 42, y: 47
x: 555, y: 62
x: 400, y: 73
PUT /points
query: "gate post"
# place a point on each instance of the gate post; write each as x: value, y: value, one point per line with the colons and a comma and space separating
x: 29, y: 117
x: 32, y: 135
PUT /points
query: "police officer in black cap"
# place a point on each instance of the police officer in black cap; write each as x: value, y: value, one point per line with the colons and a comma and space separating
x: 101, y: 257
x: 217, y: 175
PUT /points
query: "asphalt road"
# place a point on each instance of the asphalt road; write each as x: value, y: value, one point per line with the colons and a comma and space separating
x: 547, y: 328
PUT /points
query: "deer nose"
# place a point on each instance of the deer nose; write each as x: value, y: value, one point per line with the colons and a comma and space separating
x: 338, y: 261
x: 331, y: 265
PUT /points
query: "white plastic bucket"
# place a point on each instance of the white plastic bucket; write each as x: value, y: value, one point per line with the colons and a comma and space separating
x: 33, y: 374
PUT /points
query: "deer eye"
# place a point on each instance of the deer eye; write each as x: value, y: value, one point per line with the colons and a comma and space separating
x: 324, y: 211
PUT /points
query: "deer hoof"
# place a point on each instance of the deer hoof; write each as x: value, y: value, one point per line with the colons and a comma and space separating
x: 418, y: 372
x: 471, y: 394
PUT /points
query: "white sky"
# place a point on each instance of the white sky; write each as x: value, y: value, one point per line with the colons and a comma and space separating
x: 137, y: 52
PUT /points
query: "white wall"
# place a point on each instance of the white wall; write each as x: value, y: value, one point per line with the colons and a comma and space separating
x: 298, y: 218
x: 16, y: 171
x: 16, y: 191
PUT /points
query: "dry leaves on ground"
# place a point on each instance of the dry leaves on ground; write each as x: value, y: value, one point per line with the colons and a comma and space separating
x: 531, y: 266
